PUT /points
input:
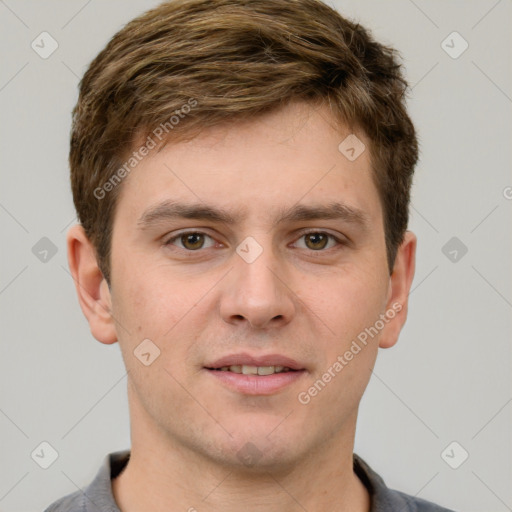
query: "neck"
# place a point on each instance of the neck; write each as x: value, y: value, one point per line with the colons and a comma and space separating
x: 163, y: 475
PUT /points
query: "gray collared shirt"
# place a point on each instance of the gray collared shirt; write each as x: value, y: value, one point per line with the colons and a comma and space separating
x: 98, y: 497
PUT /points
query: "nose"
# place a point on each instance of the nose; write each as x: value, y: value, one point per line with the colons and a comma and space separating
x: 258, y: 293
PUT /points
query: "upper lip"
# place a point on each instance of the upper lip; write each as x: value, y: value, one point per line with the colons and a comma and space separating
x: 244, y: 359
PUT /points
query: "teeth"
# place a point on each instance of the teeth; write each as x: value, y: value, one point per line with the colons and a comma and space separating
x: 255, y: 370
x: 249, y: 370
x: 266, y: 370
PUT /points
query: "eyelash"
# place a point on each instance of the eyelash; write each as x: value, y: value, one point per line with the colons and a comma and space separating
x: 170, y: 241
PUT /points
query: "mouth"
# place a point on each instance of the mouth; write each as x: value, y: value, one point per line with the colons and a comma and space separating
x: 256, y: 375
x: 254, y: 370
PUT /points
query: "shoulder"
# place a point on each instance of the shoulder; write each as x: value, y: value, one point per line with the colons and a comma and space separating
x: 384, y: 499
x: 414, y: 504
x: 97, y: 496
x: 71, y: 503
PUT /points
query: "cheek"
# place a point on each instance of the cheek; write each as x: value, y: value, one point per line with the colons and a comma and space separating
x: 168, y: 309
x: 153, y: 302
x: 347, y: 302
x: 347, y: 306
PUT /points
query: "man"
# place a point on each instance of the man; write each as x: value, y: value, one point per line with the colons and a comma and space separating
x: 241, y: 172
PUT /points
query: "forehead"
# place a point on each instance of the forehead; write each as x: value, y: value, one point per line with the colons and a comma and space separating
x: 259, y: 168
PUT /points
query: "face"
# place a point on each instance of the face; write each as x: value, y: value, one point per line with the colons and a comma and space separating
x: 253, y: 246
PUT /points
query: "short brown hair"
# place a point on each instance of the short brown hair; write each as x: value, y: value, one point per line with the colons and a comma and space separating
x: 235, y: 59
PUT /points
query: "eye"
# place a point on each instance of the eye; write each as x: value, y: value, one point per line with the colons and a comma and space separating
x: 192, y: 241
x: 318, y: 240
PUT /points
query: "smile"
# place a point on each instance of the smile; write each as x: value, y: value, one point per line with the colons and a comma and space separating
x: 253, y: 370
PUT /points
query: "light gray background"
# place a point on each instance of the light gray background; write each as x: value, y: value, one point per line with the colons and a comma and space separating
x: 448, y: 379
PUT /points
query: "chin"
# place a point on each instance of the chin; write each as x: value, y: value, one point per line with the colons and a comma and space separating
x: 258, y: 449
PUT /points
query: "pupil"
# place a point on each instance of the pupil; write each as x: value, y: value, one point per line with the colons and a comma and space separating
x: 318, y: 240
x: 192, y: 241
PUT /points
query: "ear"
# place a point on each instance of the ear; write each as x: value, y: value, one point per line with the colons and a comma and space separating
x: 399, y: 286
x: 91, y: 287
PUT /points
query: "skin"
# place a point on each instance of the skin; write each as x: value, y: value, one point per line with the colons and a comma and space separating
x: 299, y: 298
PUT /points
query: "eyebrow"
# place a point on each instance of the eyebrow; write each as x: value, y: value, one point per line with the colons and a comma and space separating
x: 172, y: 210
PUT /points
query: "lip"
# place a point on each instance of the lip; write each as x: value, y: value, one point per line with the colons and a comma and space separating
x: 256, y: 384
x: 248, y: 360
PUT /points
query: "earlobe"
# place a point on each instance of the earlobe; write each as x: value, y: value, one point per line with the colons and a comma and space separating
x: 91, y: 287
x: 399, y: 288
